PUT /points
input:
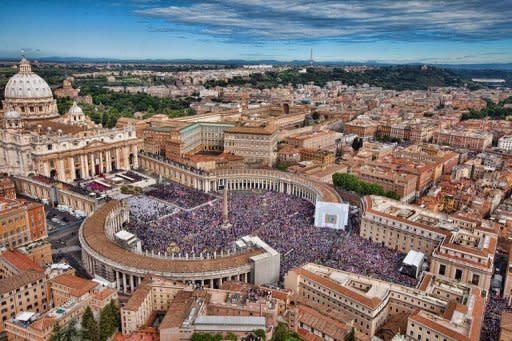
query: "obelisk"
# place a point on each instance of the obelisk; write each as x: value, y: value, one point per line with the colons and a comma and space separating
x: 225, y: 223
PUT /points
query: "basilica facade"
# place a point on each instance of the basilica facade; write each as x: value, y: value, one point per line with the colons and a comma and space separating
x: 36, y: 139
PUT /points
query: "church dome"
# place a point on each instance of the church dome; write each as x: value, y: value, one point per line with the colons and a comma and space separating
x: 75, y: 110
x: 26, y: 84
x: 12, y: 115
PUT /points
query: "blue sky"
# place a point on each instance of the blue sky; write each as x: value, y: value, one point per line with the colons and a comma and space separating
x: 449, y: 31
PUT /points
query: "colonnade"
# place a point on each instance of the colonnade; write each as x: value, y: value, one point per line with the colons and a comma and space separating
x: 241, y: 179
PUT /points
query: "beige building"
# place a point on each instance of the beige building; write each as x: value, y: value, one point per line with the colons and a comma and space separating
x: 321, y: 139
x: 437, y: 310
x: 458, y: 249
x: 474, y: 140
x: 362, y: 127
x: 22, y: 286
x: 256, y: 143
x: 237, y: 307
x: 34, y: 139
x: 29, y: 326
x: 404, y: 185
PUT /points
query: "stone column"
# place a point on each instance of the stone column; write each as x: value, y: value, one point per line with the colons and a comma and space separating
x: 118, y: 159
x: 126, y: 154
x: 46, y: 165
x: 124, y: 283
x: 82, y: 167
x: 108, y: 160
x: 92, y: 170
x: 71, y: 162
x: 101, y: 162
x: 132, y: 287
x: 61, y: 171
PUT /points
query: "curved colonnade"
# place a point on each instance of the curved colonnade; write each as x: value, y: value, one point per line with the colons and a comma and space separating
x: 126, y: 269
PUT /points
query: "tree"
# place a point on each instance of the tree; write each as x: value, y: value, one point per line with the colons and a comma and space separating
x: 109, y: 321
x: 357, y: 143
x: 70, y: 332
x: 281, y: 333
x: 351, y: 336
x: 89, y: 326
x: 57, y: 333
x: 261, y: 334
x: 230, y: 336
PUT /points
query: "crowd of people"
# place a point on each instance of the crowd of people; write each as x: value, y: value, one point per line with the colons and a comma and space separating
x: 284, y: 222
x: 359, y: 255
x: 179, y: 195
x: 144, y: 209
x: 494, y: 308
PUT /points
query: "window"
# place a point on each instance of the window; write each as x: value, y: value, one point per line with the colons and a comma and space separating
x: 458, y: 274
x: 442, y: 269
x: 475, y: 280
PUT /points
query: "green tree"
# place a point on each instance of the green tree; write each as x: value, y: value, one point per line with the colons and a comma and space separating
x: 357, y: 143
x: 351, y: 336
x: 70, y: 332
x: 57, y: 333
x: 261, y: 334
x: 231, y: 337
x: 89, y: 326
x: 281, y: 333
x: 109, y: 321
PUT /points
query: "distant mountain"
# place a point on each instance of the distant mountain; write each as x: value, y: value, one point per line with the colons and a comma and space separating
x: 49, y: 59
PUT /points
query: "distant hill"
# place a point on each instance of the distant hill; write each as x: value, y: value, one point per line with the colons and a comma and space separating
x: 398, y: 77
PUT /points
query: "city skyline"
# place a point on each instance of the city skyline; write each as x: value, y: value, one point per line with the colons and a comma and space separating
x: 455, y: 32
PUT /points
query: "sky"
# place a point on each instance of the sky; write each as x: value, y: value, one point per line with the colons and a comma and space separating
x: 394, y: 31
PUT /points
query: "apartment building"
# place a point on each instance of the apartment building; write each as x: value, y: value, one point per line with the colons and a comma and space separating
x: 22, y: 286
x: 362, y: 127
x: 321, y: 139
x: 458, y: 248
x: 21, y: 221
x: 473, y: 140
x: 437, y: 309
x: 255, y: 142
x: 505, y: 142
x: 402, y: 184
x: 236, y: 307
x: 30, y: 326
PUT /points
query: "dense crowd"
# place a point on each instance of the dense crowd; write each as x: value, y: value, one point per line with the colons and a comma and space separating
x: 284, y: 222
x: 493, y: 310
x: 136, y: 177
x: 355, y: 254
x: 144, y: 209
x: 179, y: 195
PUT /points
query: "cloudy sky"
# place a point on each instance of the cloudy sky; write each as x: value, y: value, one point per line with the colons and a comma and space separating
x: 451, y: 31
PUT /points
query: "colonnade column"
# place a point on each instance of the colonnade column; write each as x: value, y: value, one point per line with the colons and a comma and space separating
x: 71, y: 162
x: 92, y: 170
x: 101, y: 162
x: 61, y: 172
x: 108, y: 160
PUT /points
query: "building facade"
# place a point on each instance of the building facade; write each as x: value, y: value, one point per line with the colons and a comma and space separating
x: 436, y: 310
x: 35, y: 139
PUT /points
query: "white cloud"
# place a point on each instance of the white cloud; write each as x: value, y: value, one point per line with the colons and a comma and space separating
x: 357, y: 19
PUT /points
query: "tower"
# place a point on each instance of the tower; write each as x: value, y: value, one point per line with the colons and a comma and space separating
x: 311, y: 57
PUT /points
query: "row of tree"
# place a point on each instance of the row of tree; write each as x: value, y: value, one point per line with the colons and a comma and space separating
x: 91, y: 330
x: 492, y: 110
x: 109, y: 106
x: 350, y: 182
